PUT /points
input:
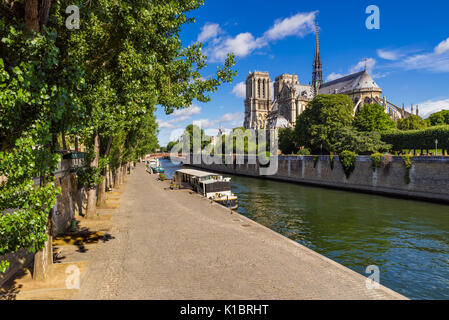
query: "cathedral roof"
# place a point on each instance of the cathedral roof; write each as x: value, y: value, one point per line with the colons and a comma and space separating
x: 279, y: 122
x: 305, y: 91
x: 355, y: 81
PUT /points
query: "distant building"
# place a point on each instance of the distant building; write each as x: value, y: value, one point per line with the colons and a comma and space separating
x: 291, y: 97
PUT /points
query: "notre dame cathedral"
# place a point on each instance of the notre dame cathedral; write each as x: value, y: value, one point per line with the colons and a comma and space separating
x: 291, y: 98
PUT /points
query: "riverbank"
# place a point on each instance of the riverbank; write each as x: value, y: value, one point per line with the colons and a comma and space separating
x: 178, y: 245
x: 424, y: 178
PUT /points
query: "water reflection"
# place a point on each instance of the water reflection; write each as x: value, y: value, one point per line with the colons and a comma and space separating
x: 408, y: 240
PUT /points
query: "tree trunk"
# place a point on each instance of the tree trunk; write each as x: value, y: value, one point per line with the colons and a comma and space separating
x: 76, y: 144
x: 42, y: 262
x: 92, y: 193
x: 117, y: 178
x: 43, y: 259
x: 111, y: 182
x: 32, y: 15
x: 44, y: 11
x: 64, y: 143
x: 102, y: 191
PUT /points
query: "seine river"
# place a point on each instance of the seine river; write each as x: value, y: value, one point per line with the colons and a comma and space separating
x: 408, y: 240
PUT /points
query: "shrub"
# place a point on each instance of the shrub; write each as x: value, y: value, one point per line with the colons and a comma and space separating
x: 418, y: 139
x: 315, y: 161
x: 331, y: 160
x: 407, y: 159
x: 347, y: 160
x: 303, y: 152
x: 376, y: 159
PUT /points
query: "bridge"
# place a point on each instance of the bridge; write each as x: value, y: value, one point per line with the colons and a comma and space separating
x: 163, y: 155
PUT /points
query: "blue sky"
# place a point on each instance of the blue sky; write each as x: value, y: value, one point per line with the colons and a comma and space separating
x: 408, y: 56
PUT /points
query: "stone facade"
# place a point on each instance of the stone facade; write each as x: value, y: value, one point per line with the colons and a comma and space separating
x: 258, y: 99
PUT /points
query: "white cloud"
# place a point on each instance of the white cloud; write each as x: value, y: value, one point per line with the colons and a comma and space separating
x: 165, y: 124
x: 179, y: 115
x: 334, y: 76
x: 241, y: 45
x: 233, y: 119
x: 245, y: 43
x: 442, y: 47
x: 209, y: 31
x: 390, y: 54
x: 434, y: 61
x: 240, y: 90
x: 370, y: 63
x: 300, y: 25
x: 186, y: 113
x: 428, y: 107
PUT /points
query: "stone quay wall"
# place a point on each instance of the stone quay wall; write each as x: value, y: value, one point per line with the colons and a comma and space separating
x: 68, y: 204
x: 427, y: 179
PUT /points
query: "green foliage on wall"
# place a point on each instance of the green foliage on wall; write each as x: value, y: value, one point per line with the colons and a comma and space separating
x: 347, y: 160
x: 376, y: 159
x: 315, y: 160
x: 407, y: 159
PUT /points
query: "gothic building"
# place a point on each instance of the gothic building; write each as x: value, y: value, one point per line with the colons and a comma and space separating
x: 290, y: 97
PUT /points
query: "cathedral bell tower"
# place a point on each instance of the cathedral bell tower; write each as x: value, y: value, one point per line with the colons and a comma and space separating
x: 258, y: 100
x: 317, y: 77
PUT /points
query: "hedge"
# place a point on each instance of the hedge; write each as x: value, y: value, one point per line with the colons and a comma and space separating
x: 418, y: 139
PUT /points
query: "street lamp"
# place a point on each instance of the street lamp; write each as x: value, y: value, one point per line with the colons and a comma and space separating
x: 436, y: 147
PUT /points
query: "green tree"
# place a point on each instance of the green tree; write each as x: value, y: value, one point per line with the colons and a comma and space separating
x: 438, y: 118
x: 372, y: 117
x: 287, y: 141
x: 171, y: 144
x: 101, y: 82
x: 321, y: 121
x: 363, y: 143
x: 413, y: 122
x: 193, y: 132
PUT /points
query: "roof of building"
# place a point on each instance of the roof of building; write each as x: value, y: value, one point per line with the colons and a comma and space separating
x: 355, y: 81
x: 197, y: 173
x: 303, y: 90
x: 278, y: 121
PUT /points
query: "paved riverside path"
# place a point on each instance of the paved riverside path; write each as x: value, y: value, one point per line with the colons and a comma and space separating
x: 178, y: 245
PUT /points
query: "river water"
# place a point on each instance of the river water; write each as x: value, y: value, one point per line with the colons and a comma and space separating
x: 407, y: 240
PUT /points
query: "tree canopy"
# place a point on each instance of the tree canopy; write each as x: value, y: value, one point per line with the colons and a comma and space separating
x: 372, y: 117
x: 99, y: 83
x: 413, y: 122
x: 317, y: 127
x: 438, y: 118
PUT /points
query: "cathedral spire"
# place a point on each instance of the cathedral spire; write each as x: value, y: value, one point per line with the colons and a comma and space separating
x: 317, y: 77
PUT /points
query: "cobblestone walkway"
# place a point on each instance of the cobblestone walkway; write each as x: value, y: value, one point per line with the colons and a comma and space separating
x: 177, y: 245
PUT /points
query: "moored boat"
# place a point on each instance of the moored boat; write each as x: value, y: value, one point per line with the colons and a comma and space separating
x: 153, y: 166
x: 210, y: 185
